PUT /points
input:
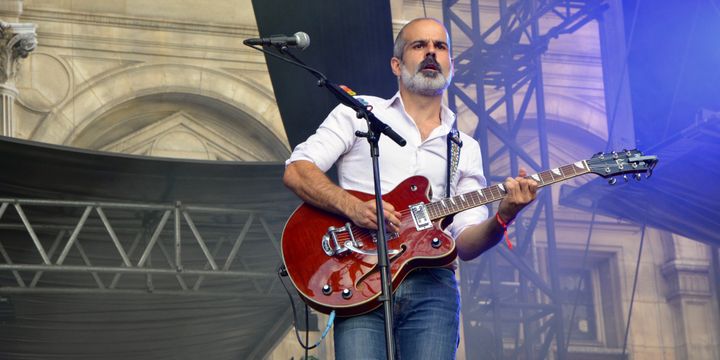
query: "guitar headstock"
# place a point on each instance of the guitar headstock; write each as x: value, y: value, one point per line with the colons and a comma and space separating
x: 625, y: 162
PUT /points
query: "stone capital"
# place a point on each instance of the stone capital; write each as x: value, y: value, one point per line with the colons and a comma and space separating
x: 8, y: 90
x: 17, y: 40
x: 687, y: 279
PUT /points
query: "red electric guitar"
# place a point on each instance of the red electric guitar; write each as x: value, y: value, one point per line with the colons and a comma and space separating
x: 333, y: 263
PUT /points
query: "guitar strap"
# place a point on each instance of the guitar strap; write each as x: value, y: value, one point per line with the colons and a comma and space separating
x: 453, y: 155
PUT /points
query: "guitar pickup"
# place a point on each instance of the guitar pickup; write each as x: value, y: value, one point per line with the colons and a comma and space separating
x: 389, y: 236
x: 420, y: 216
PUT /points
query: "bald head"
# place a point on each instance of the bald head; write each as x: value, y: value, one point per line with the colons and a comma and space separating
x: 401, y: 40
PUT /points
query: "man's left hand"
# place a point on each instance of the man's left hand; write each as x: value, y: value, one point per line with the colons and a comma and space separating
x: 521, y: 191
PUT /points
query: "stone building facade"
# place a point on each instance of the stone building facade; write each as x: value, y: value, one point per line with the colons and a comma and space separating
x: 177, y: 76
x: 171, y: 78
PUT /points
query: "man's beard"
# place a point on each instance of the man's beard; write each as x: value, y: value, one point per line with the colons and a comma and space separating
x: 428, y: 83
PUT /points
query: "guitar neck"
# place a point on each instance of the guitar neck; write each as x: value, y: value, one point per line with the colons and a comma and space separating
x: 456, y: 204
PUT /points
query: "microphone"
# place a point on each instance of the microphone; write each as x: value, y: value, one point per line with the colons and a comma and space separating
x: 299, y: 40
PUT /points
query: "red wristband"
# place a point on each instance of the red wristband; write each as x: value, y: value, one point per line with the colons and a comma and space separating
x: 505, y: 229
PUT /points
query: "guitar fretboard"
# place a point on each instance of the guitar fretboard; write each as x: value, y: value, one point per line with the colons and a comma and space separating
x: 456, y: 204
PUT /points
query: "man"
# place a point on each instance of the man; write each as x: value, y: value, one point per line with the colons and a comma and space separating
x: 426, y: 304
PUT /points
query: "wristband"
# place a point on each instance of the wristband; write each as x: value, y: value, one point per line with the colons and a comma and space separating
x: 505, y: 229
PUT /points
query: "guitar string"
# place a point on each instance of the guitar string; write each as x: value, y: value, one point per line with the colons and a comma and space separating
x: 362, y: 233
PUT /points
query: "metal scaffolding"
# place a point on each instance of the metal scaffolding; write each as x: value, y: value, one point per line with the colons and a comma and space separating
x: 159, y: 246
x: 511, y: 306
x: 135, y: 248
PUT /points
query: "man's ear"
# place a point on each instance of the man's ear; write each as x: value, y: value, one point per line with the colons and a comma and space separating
x: 395, y: 66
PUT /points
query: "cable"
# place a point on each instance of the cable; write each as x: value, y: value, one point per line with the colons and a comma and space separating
x: 715, y: 6
x: 716, y: 274
x: 681, y: 73
x: 623, y: 72
x: 580, y: 280
x: 331, y: 319
x: 632, y: 297
x: 307, y: 330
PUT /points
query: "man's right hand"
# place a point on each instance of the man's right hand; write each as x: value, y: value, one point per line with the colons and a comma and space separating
x: 363, y: 214
x: 306, y: 180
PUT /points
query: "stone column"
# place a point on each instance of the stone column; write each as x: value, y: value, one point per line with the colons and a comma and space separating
x: 687, y: 275
x: 17, y: 40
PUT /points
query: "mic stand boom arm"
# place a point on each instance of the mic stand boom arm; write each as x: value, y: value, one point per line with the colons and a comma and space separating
x: 362, y: 111
x: 375, y: 129
x: 375, y: 125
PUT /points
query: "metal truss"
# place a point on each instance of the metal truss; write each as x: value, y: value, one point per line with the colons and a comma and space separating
x: 511, y: 306
x: 54, y: 246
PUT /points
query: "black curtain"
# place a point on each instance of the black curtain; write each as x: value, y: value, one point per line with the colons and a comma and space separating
x: 351, y: 43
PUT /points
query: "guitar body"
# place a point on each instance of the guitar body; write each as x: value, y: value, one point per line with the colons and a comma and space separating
x: 349, y: 282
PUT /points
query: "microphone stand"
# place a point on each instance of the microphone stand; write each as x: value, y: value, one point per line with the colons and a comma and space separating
x: 375, y: 129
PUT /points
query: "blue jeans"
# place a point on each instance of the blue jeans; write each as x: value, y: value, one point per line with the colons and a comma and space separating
x: 426, y: 319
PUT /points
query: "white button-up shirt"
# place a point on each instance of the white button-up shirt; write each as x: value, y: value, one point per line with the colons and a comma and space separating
x: 335, y: 142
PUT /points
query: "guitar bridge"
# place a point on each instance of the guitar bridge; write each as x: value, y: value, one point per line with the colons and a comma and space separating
x: 331, y: 244
x: 420, y: 216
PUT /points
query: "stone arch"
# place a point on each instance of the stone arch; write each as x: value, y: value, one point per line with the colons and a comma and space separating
x: 181, y: 125
x: 247, y: 105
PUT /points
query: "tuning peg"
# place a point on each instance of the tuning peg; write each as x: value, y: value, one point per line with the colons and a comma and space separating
x: 612, y: 181
x: 637, y: 176
x: 625, y: 178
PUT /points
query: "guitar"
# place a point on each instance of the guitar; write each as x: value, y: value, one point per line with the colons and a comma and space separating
x: 333, y: 263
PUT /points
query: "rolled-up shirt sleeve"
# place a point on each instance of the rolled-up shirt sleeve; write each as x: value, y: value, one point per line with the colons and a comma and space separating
x: 331, y: 140
x: 470, y: 178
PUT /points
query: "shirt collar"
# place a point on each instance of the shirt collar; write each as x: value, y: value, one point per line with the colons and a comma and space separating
x: 447, y: 117
x: 392, y: 101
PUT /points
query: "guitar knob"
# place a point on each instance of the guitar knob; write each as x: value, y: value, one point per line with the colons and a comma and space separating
x: 436, y: 243
x: 612, y: 181
x: 625, y: 178
x: 326, y: 290
x: 637, y: 176
x: 346, y: 294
